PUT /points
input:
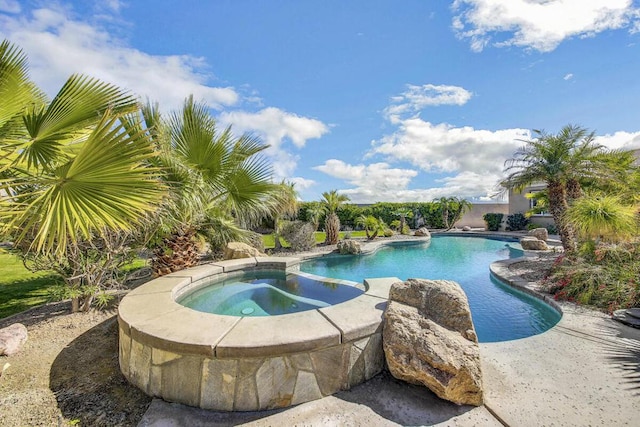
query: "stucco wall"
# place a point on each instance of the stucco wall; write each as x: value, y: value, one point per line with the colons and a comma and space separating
x: 473, y: 218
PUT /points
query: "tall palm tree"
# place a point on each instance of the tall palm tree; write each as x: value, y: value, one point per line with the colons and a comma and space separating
x: 332, y: 201
x: 219, y: 183
x: 561, y: 161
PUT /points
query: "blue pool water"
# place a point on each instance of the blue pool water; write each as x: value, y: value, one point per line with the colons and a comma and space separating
x: 499, y: 312
x: 267, y: 293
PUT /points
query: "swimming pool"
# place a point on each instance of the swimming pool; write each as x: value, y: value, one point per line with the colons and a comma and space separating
x: 500, y: 312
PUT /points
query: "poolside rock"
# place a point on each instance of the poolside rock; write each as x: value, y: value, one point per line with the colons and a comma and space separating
x: 11, y: 339
x: 540, y: 234
x: 530, y: 243
x: 349, y: 247
x: 422, y: 232
x: 238, y: 250
x: 429, y: 339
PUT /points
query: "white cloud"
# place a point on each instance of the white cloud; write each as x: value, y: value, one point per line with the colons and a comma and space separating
x: 301, y: 184
x: 10, y: 6
x: 444, y: 148
x: 416, y: 98
x: 620, y: 140
x: 275, y: 127
x: 568, y: 76
x: 539, y: 24
x: 58, y: 46
x: 379, y: 182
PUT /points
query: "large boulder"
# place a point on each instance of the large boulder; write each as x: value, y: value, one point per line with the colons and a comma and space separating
x: 349, y: 247
x: 540, y: 234
x: 11, y: 339
x: 530, y: 243
x: 422, y: 232
x: 429, y: 339
x: 237, y: 250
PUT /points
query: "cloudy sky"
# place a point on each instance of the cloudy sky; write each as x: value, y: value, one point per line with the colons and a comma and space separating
x: 382, y: 100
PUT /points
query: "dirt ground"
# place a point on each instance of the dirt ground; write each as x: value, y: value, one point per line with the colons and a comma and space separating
x: 67, y: 373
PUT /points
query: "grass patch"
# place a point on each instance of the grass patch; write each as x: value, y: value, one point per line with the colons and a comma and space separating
x: 21, y: 289
x: 269, y: 241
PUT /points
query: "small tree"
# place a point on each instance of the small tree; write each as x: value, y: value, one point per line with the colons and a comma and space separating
x: 332, y: 201
x: 372, y: 226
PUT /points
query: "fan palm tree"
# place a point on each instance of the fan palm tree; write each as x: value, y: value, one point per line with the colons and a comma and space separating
x: 332, y: 201
x: 452, y: 210
x: 218, y: 183
x: 372, y: 225
x: 72, y: 174
x: 314, y: 213
x: 561, y: 161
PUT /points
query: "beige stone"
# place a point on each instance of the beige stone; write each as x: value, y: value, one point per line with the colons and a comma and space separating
x: 275, y: 379
x: 238, y: 250
x: 530, y: 243
x: 124, y: 350
x: 373, y: 356
x: 181, y: 380
x: 357, y: 317
x: 422, y: 232
x: 540, y: 234
x: 356, y: 366
x: 330, y: 366
x: 12, y: 338
x: 306, y: 388
x: 218, y: 384
x: 349, y: 247
x: 139, y: 365
x: 302, y: 361
x: 246, y: 398
x: 429, y: 339
x: 443, y: 301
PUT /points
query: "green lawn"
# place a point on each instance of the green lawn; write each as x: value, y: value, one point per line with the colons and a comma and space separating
x: 269, y: 241
x: 21, y: 289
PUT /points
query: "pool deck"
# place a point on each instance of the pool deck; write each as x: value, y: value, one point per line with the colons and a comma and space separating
x: 584, y: 371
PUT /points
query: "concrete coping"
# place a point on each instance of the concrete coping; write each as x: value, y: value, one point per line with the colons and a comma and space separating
x: 500, y: 269
x: 152, y: 316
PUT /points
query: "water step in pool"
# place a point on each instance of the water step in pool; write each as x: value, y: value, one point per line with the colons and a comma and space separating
x: 629, y: 316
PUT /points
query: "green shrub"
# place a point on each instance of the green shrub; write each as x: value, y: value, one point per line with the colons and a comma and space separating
x: 552, y: 229
x: 388, y: 232
x: 493, y: 221
x: 395, y: 224
x: 607, y: 278
x: 406, y: 230
x: 516, y: 222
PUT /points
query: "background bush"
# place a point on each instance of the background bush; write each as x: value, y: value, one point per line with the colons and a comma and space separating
x: 516, y: 222
x: 493, y: 221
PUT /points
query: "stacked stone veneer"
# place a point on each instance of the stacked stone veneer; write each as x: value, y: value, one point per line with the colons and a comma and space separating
x: 246, y: 363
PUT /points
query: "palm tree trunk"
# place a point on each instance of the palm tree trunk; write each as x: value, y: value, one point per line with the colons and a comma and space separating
x: 558, y: 207
x: 574, y: 190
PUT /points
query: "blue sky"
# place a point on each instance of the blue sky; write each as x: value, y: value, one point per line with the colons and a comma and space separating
x: 382, y: 100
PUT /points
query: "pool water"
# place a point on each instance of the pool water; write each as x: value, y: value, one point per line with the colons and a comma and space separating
x: 267, y: 293
x: 499, y: 312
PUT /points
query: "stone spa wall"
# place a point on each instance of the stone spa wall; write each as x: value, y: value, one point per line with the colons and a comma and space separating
x: 234, y: 363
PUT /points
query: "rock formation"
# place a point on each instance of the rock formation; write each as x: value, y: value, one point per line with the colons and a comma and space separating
x: 540, y: 234
x: 349, y: 247
x: 11, y: 338
x: 422, y: 232
x: 530, y: 243
x: 237, y: 250
x: 429, y: 339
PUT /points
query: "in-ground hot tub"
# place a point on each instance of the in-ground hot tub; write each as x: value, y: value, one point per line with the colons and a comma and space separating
x: 245, y: 363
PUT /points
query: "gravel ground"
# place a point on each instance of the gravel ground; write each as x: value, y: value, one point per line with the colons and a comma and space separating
x: 67, y: 372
